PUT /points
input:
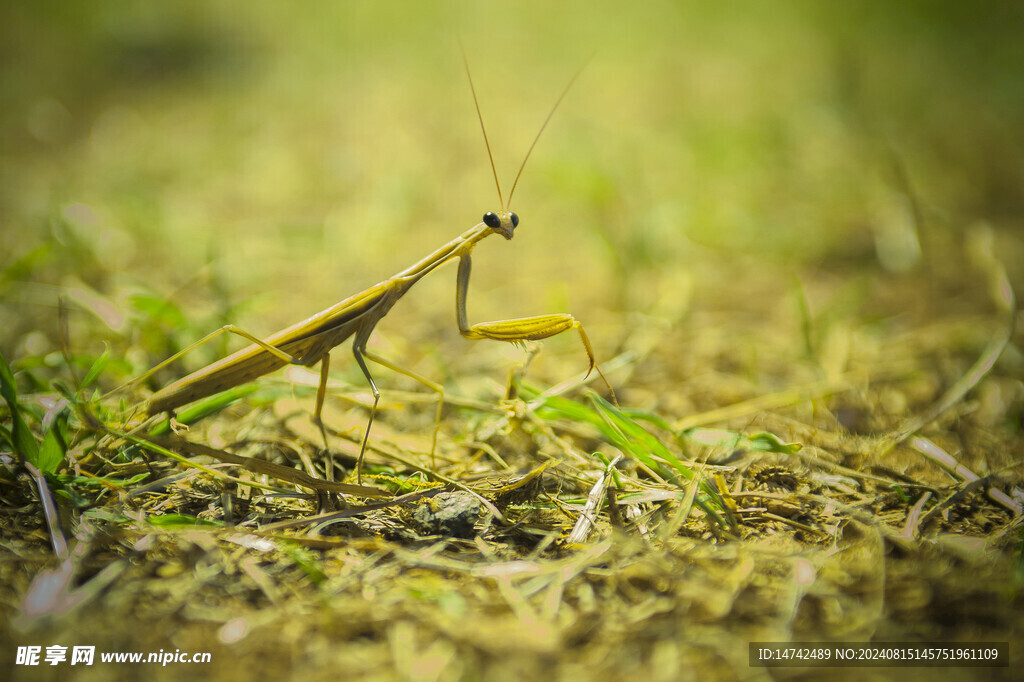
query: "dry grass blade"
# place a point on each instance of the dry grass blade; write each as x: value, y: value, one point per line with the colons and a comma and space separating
x: 949, y: 463
x: 587, y: 518
x: 1006, y: 303
x: 914, y: 518
x: 320, y: 519
x: 57, y: 540
x: 280, y: 472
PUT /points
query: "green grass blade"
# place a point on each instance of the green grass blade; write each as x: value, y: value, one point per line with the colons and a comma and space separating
x: 51, y: 453
x: 97, y: 367
x: 24, y: 442
x: 206, y: 407
x: 640, y: 435
x: 180, y: 521
x: 306, y: 560
x: 620, y: 428
x: 101, y: 481
x: 758, y: 442
x: 158, y: 310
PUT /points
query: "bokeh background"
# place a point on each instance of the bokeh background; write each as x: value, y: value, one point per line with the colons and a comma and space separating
x: 167, y: 168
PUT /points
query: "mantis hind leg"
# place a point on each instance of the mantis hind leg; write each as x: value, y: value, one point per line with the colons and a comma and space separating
x: 433, y: 386
x: 228, y: 328
x: 321, y: 393
x: 362, y: 354
x: 358, y: 353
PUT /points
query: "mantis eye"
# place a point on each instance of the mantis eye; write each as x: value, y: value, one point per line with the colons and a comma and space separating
x: 515, y: 219
x: 492, y: 220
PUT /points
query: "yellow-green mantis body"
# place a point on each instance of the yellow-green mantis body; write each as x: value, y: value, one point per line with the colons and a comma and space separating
x: 311, y: 341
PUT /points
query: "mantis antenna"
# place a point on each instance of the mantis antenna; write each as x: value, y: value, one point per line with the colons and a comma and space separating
x: 487, y: 143
x: 542, y: 127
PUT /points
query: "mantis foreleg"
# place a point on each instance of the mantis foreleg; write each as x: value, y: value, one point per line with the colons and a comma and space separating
x: 518, y: 329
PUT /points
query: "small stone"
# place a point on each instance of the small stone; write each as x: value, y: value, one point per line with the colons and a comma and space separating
x: 451, y: 514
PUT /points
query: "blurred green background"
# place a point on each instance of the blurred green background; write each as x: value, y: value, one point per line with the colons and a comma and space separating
x: 257, y: 162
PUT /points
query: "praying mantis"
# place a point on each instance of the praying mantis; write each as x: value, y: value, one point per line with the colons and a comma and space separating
x: 310, y: 342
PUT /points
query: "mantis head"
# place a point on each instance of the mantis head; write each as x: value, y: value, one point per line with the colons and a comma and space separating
x: 503, y: 223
